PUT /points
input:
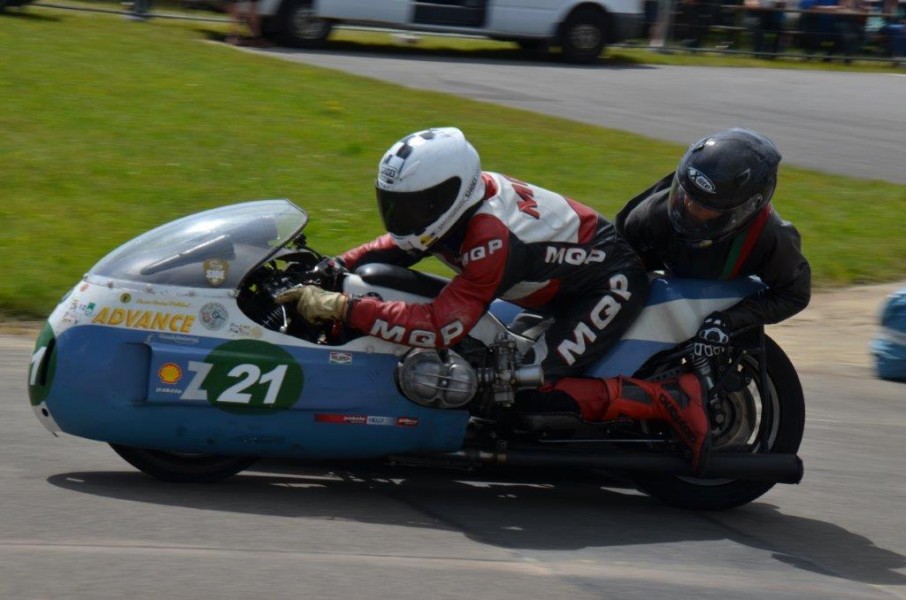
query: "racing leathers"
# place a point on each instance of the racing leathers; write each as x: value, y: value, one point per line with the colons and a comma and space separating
x: 767, y: 247
x: 554, y: 257
x: 533, y: 247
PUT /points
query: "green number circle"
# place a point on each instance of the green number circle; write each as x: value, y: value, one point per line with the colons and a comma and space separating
x: 250, y: 376
x: 43, y: 368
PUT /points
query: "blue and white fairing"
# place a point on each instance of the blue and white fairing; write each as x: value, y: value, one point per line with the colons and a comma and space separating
x: 151, y: 350
x: 673, y: 312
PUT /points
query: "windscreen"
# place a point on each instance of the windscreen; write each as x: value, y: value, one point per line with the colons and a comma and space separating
x: 211, y: 249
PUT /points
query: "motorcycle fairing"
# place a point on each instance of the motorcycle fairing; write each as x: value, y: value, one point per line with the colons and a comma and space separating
x: 673, y: 312
x: 193, y: 374
x: 152, y: 350
x: 152, y: 395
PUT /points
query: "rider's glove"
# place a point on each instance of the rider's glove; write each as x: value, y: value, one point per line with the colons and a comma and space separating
x: 713, y: 337
x: 316, y: 304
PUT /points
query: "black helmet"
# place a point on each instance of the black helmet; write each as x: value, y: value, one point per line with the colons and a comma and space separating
x: 721, y: 182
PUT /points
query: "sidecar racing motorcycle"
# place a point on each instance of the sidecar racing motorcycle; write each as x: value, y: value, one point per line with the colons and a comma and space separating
x: 173, y: 350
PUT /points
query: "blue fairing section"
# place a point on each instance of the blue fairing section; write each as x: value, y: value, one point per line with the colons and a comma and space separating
x: 505, y: 311
x: 664, y: 289
x: 628, y: 355
x: 192, y: 394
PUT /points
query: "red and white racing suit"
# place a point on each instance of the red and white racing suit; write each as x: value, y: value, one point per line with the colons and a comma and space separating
x: 530, y: 246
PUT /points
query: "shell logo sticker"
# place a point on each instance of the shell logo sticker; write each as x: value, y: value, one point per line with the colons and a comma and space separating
x: 169, y: 373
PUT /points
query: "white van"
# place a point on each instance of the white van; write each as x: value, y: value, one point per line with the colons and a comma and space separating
x: 581, y: 28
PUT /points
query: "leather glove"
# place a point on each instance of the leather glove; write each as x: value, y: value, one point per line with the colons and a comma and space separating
x: 713, y: 337
x: 316, y: 304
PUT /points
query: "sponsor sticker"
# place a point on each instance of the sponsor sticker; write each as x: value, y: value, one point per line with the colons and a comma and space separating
x: 340, y: 358
x: 145, y: 319
x: 213, y: 316
x: 171, y: 303
x: 245, y: 330
x: 168, y: 390
x: 215, y: 271
x: 376, y: 420
x: 169, y: 373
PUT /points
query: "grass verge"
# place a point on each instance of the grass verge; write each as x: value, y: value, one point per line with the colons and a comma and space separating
x: 111, y: 127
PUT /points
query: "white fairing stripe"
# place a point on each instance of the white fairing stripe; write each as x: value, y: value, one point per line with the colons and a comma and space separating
x: 524, y: 289
x: 675, y: 321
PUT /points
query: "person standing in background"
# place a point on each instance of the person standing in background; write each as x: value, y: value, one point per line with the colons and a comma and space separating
x: 140, y: 10
x: 244, y: 14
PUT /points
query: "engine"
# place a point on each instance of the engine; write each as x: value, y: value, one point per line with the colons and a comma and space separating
x: 444, y: 379
x: 439, y: 379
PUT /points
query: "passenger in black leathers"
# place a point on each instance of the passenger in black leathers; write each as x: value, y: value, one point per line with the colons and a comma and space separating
x: 713, y: 219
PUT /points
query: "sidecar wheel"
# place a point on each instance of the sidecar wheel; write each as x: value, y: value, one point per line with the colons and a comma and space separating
x: 778, y: 412
x: 183, y: 468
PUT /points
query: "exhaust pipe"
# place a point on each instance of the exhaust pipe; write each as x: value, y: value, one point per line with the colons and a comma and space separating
x: 772, y: 468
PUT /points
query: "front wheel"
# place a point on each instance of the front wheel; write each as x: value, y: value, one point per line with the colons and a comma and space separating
x: 754, y: 418
x: 183, y: 468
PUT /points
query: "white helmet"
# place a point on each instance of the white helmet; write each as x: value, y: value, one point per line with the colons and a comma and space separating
x: 426, y: 182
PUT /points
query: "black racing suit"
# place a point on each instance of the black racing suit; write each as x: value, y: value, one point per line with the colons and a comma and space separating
x: 530, y: 246
x: 767, y: 247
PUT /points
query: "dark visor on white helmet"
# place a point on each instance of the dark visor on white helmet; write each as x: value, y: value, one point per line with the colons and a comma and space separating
x: 410, y: 213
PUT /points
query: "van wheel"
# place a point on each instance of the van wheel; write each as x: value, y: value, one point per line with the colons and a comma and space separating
x: 299, y: 27
x: 584, y: 35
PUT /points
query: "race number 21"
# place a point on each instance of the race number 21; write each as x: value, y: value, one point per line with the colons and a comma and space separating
x: 245, y: 373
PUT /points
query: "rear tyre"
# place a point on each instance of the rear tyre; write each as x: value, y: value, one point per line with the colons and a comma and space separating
x: 299, y: 27
x: 183, y: 468
x: 749, y: 415
x: 584, y: 35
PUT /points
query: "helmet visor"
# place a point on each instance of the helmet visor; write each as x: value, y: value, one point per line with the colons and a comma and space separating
x: 698, y: 221
x: 410, y: 213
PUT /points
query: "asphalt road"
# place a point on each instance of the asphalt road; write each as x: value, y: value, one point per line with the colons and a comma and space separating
x: 78, y: 522
x: 837, y: 122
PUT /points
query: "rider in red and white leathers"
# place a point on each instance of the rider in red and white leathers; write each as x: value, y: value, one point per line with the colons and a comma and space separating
x: 532, y: 247
x: 512, y: 240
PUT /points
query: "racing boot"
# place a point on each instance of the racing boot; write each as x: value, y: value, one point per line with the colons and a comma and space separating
x: 679, y: 402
